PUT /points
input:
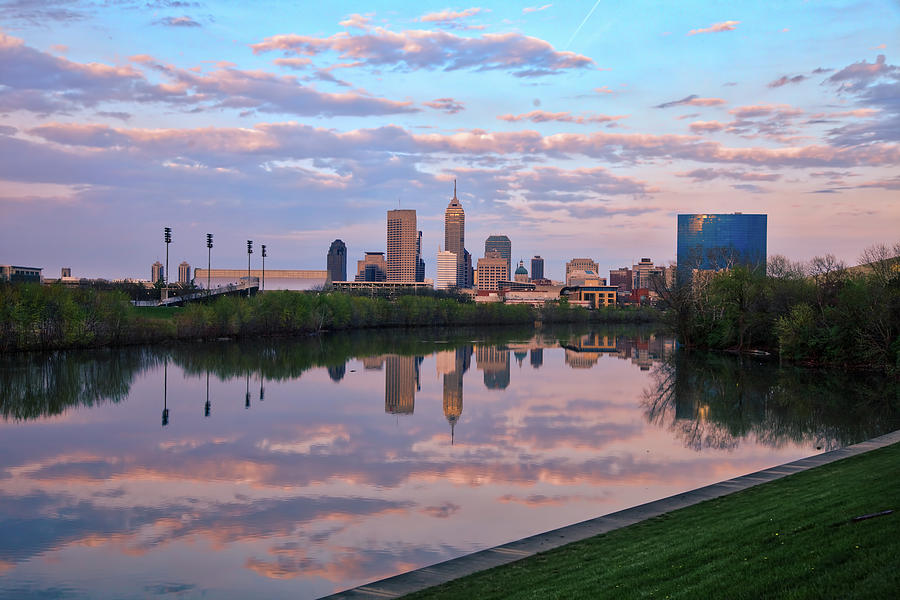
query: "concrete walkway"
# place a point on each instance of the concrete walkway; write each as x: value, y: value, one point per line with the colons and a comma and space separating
x: 406, y: 583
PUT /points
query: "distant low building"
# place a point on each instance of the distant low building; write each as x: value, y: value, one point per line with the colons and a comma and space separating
x: 15, y: 274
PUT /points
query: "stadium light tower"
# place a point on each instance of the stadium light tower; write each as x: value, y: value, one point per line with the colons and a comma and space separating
x: 264, y: 267
x: 249, y: 252
x: 209, y: 245
x: 167, y: 237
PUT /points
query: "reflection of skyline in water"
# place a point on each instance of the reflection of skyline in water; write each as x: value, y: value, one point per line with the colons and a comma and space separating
x: 315, y: 488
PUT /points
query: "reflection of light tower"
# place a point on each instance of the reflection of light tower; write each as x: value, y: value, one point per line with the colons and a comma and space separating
x: 247, y: 397
x: 207, y: 406
x: 262, y: 388
x: 165, y: 413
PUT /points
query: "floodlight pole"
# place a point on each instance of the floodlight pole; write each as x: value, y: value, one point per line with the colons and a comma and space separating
x: 249, y: 252
x: 167, y: 237
x: 263, y: 267
x: 209, y: 245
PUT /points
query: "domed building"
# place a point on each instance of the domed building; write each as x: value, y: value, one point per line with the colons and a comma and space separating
x: 521, y: 273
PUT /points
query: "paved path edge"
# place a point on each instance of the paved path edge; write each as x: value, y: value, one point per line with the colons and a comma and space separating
x: 419, y: 579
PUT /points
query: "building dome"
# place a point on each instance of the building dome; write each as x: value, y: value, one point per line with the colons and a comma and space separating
x: 521, y: 270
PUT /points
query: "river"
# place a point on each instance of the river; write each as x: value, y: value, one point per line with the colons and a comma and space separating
x: 296, y: 468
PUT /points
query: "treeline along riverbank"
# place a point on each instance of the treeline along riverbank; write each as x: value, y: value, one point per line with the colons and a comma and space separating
x: 819, y: 313
x: 35, y: 317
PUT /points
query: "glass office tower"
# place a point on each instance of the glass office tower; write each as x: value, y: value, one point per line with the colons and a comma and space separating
x: 713, y: 242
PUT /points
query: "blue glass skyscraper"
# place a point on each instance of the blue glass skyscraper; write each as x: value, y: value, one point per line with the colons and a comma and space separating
x: 712, y: 242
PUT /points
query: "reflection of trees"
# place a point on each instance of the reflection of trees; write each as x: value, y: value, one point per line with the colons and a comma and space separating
x: 713, y: 401
x: 38, y: 384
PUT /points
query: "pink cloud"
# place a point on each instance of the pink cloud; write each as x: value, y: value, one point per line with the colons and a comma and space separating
x: 710, y: 174
x: 786, y: 79
x: 43, y: 83
x: 448, y: 105
x: 716, y: 27
x: 692, y: 100
x: 764, y: 110
x: 542, y: 116
x: 706, y: 126
x: 293, y: 140
x: 449, y: 15
x: 604, y: 90
x: 523, y: 56
x: 293, y: 63
x: 531, y: 9
x: 357, y: 20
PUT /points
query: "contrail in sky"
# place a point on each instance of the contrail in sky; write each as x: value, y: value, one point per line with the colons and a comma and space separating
x: 596, y: 4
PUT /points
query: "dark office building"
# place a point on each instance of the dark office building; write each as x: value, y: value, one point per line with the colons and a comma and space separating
x: 337, y: 261
x: 468, y: 270
x: 501, y: 244
x: 537, y: 268
x: 713, y: 242
x: 420, y: 262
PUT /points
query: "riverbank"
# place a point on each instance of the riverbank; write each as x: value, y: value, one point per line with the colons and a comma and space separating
x: 813, y: 534
x: 35, y: 317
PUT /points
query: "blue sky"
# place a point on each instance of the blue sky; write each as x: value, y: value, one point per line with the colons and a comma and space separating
x: 576, y: 133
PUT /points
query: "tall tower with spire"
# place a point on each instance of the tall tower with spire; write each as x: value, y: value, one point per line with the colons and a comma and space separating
x: 455, y: 236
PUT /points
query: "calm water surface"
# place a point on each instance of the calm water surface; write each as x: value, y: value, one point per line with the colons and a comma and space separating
x: 292, y: 469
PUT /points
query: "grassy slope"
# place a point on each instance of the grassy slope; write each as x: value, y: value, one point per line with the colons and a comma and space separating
x: 791, y: 538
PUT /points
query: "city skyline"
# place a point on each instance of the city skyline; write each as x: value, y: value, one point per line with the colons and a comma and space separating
x: 299, y: 130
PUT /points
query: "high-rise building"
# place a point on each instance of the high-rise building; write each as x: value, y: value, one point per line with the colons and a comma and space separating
x: 455, y: 236
x: 468, y: 270
x: 501, y: 244
x: 372, y: 267
x: 66, y: 272
x: 640, y: 274
x: 720, y: 241
x: 157, y: 272
x: 621, y: 278
x: 420, y: 262
x: 446, y: 270
x: 184, y: 272
x: 492, y: 269
x: 402, y: 239
x: 521, y: 272
x: 336, y: 263
x: 537, y: 267
x: 580, y: 264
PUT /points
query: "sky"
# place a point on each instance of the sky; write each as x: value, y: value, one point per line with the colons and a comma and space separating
x: 578, y: 129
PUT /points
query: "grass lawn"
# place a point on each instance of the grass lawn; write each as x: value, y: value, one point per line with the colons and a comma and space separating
x: 791, y: 538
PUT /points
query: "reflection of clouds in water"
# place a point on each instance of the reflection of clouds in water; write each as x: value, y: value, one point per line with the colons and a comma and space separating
x: 141, y: 528
x: 318, y: 482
